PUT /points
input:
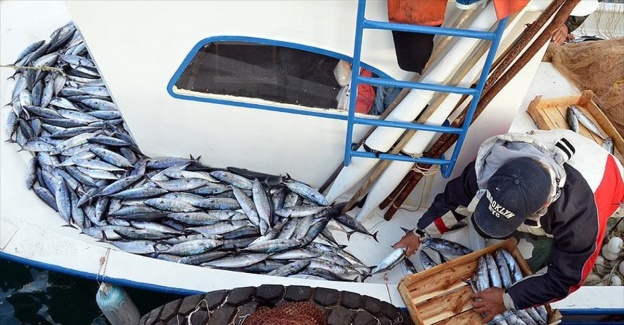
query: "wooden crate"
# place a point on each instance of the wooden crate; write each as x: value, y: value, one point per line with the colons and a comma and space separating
x: 440, y: 295
x: 551, y: 114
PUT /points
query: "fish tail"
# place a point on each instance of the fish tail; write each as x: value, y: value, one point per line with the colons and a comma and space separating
x: 375, y: 236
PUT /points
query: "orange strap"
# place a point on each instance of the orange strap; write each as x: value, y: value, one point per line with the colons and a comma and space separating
x: 417, y: 12
x: 505, y: 8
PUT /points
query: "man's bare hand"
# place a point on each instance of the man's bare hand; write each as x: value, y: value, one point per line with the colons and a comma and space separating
x: 411, y: 241
x: 560, y: 35
x: 488, y: 303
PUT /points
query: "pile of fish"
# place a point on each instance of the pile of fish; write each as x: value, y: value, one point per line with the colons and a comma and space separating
x: 502, y: 271
x: 86, y: 166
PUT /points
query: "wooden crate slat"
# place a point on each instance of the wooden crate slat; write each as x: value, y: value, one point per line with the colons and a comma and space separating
x: 467, y: 317
x: 446, y: 305
x: 418, y: 296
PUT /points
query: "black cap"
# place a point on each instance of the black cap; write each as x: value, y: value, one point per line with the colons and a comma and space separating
x: 517, y: 189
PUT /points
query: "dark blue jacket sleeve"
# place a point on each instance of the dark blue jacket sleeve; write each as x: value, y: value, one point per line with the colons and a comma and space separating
x: 458, y: 192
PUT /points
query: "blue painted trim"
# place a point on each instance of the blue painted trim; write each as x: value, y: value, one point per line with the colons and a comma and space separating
x: 421, y: 160
x: 419, y: 85
x: 428, y: 29
x: 332, y: 114
x: 357, y: 55
x: 408, y: 125
x: 99, y: 278
x: 592, y: 311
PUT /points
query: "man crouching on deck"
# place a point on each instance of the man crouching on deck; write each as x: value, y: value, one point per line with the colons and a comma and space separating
x: 555, y: 189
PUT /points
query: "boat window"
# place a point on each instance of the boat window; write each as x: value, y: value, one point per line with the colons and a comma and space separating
x: 261, y: 75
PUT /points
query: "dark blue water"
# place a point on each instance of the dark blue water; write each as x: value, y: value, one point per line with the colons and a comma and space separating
x: 32, y: 296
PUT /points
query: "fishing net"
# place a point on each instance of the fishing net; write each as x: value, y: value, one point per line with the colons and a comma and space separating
x: 597, y: 66
x: 292, y: 313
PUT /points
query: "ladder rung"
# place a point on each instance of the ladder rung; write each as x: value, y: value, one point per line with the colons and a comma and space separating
x: 428, y: 29
x: 420, y: 160
x: 418, y: 85
x: 408, y: 125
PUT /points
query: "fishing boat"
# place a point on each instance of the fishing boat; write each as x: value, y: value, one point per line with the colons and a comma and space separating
x: 282, y: 118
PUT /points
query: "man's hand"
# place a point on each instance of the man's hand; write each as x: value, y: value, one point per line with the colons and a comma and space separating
x: 488, y: 303
x: 560, y: 35
x: 411, y: 241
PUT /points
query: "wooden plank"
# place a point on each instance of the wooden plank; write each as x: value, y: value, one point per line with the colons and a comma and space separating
x: 447, y: 277
x: 467, y: 317
x: 429, y: 291
x: 446, y: 305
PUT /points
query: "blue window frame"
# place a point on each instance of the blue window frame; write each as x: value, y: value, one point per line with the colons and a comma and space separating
x: 261, y: 74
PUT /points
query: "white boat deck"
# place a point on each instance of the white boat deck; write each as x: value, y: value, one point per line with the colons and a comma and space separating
x: 33, y: 233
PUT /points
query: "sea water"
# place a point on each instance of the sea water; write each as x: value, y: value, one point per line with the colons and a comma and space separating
x: 30, y: 295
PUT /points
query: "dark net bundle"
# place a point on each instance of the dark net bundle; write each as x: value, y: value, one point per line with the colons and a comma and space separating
x: 292, y: 313
x: 597, y: 66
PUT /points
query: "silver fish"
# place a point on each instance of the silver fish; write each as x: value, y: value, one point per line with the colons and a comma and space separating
x: 232, y: 179
x: 237, y: 261
x: 426, y: 261
x: 482, y: 278
x: 262, y: 202
x: 290, y: 268
x: 390, y: 261
x: 503, y: 269
x: 514, y: 268
x: 306, y: 192
x: 446, y: 247
x: 140, y: 234
x: 139, y: 192
x: 585, y: 121
x: 607, y: 144
x: 273, y: 245
x: 299, y: 211
x: 193, y: 247
x: 572, y: 120
x: 218, y: 203
x: 170, y: 205
x: 535, y: 316
x: 247, y: 205
x: 495, y: 278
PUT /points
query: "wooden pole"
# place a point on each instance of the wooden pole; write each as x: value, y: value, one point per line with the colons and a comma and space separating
x: 447, y: 140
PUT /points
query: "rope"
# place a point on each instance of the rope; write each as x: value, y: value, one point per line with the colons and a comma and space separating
x: 426, y: 171
x: 103, y: 264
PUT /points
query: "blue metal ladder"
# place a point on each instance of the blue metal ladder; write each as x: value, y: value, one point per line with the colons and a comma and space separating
x: 446, y: 164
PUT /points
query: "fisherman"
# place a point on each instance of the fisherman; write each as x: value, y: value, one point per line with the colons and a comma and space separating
x: 553, y: 189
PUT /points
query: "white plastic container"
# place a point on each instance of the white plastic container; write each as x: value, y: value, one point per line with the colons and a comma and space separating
x: 342, y: 72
